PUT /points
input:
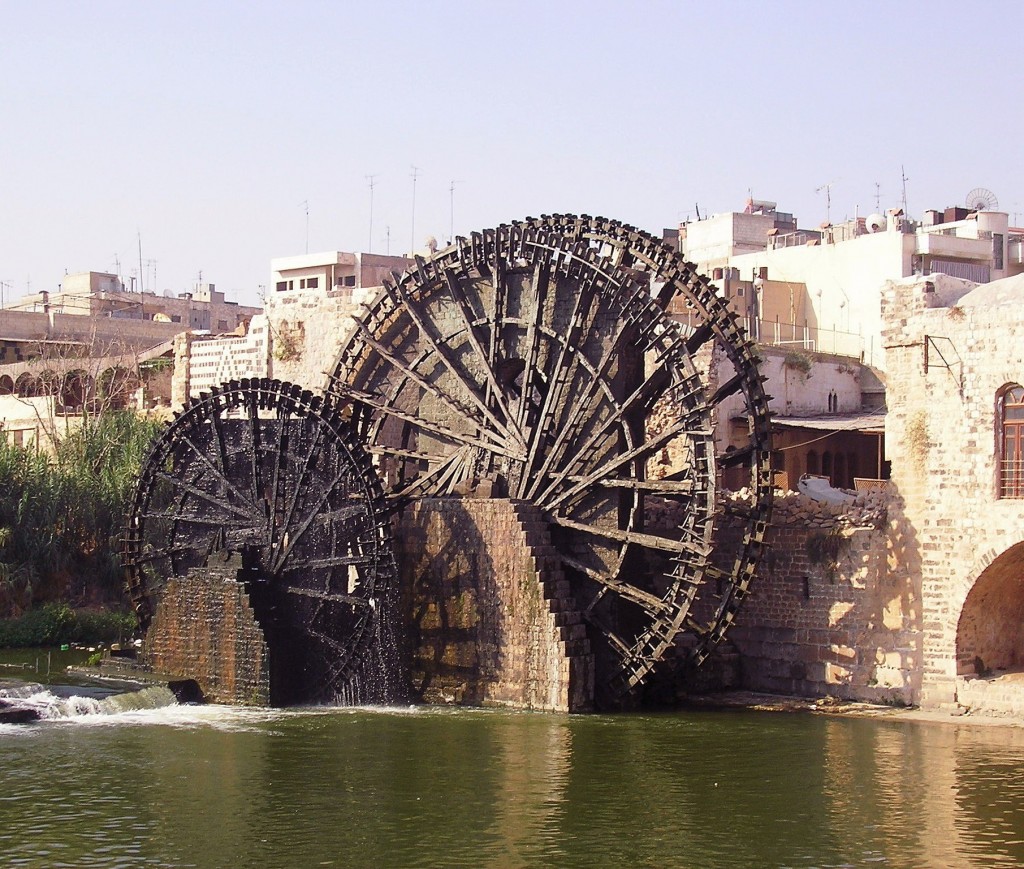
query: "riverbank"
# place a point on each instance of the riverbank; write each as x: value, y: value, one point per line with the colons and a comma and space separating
x: 754, y: 701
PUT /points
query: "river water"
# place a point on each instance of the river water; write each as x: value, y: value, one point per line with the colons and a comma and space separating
x: 113, y: 783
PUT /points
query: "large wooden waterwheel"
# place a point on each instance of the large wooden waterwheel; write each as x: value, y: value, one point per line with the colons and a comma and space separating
x: 529, y: 360
x: 273, y: 473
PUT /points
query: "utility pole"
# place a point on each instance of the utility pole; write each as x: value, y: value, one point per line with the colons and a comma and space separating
x: 371, y: 178
x: 412, y: 231
x: 905, y: 179
x: 451, y: 211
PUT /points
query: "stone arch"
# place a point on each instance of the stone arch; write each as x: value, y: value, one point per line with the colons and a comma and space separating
x: 6, y: 384
x: 116, y: 387
x: 813, y: 465
x: 27, y: 385
x: 75, y: 389
x: 990, y: 629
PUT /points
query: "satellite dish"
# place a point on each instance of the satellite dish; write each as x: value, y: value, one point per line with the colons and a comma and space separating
x: 875, y: 223
x: 980, y: 199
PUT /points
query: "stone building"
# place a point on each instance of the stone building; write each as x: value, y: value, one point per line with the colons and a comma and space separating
x: 298, y: 336
x: 956, y: 365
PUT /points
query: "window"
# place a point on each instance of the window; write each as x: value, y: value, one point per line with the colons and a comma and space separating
x: 1010, y: 408
x: 222, y: 325
x: 309, y: 283
x: 350, y: 280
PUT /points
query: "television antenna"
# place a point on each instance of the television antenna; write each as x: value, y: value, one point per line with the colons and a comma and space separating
x: 412, y: 228
x: 370, y: 179
x: 451, y: 211
x: 828, y: 199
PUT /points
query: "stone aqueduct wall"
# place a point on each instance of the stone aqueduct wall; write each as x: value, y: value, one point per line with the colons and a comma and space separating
x: 942, y: 438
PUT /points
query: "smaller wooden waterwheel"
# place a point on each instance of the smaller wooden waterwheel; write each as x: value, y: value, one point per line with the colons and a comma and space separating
x: 532, y: 358
x: 273, y: 473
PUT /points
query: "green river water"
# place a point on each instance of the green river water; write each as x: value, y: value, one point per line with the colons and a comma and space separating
x: 222, y: 786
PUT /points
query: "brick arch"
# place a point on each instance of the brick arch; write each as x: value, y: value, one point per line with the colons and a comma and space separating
x: 989, y: 607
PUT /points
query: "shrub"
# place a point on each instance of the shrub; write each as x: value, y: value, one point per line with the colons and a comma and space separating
x: 56, y: 623
x: 62, y: 516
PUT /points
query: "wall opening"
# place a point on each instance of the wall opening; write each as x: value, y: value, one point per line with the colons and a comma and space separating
x: 990, y: 634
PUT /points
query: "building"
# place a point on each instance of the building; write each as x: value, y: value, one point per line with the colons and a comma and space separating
x: 333, y: 271
x: 956, y: 442
x: 98, y: 294
x: 822, y: 288
x: 307, y: 317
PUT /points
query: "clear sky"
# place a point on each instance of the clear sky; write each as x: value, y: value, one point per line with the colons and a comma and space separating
x: 204, y: 129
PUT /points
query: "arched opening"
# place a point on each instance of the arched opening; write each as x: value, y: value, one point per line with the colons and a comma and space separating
x: 813, y: 465
x: 6, y: 385
x: 1010, y: 440
x: 990, y: 634
x: 116, y: 387
x: 826, y: 465
x: 74, y: 390
x: 27, y: 385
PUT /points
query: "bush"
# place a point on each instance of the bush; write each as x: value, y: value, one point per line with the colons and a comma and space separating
x: 56, y: 624
x: 62, y: 516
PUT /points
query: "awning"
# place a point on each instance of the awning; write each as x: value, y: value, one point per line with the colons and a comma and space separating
x: 866, y: 423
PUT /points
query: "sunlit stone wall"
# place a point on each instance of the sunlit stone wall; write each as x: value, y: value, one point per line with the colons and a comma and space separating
x: 826, y: 617
x: 951, y: 347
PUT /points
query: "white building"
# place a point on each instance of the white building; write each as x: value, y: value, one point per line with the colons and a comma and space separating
x: 830, y: 280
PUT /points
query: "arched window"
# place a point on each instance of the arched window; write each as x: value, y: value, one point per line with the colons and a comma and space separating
x: 812, y: 462
x: 1010, y: 409
x: 826, y: 465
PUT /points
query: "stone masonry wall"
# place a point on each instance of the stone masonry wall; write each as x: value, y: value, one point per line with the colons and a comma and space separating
x: 204, y: 629
x: 307, y: 330
x: 490, y: 616
x: 825, y: 617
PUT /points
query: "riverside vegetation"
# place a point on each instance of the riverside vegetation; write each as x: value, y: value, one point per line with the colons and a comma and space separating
x: 62, y: 517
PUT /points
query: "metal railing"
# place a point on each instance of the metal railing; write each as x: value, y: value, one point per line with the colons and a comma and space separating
x: 796, y: 335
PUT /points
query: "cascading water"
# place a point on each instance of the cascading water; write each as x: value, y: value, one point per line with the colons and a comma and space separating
x: 52, y: 706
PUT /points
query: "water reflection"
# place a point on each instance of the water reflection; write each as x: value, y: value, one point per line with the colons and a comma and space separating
x: 444, y: 788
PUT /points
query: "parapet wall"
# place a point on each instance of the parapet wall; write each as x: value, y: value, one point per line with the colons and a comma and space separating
x: 489, y: 612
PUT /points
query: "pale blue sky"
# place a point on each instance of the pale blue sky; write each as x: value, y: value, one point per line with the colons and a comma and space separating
x: 203, y: 127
